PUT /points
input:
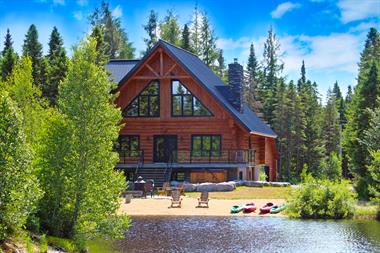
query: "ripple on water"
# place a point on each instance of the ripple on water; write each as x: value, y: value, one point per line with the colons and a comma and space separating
x: 249, y: 234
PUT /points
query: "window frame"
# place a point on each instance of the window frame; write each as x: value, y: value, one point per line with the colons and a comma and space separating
x: 202, y: 151
x: 128, y: 153
x: 182, y: 104
x: 149, y: 107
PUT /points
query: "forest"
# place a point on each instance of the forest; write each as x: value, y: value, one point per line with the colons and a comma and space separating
x: 57, y: 125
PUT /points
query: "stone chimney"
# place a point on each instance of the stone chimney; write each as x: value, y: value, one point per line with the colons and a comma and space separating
x: 235, y: 80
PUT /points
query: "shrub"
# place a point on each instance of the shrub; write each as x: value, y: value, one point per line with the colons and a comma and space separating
x: 321, y: 199
x: 331, y: 168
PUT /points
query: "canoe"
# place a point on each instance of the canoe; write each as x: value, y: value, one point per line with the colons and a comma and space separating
x: 277, y: 209
x: 236, y: 209
x: 249, y: 208
x: 266, y: 209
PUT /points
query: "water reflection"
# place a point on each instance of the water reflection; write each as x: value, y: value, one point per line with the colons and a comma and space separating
x: 249, y: 234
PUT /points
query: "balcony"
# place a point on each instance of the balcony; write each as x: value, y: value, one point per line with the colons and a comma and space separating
x: 188, y: 158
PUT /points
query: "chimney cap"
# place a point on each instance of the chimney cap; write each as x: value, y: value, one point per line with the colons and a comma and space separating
x: 235, y: 60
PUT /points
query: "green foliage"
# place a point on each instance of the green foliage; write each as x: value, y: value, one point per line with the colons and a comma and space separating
x: 331, y: 167
x: 170, y: 29
x: 221, y: 68
x: 151, y: 30
x: 331, y: 125
x: 43, y: 244
x: 19, y: 187
x: 9, y: 59
x: 33, y: 48
x: 195, y: 31
x: 115, y: 37
x: 82, y: 188
x: 57, y: 67
x: 63, y: 243
x: 321, y: 199
x: 208, y: 53
x: 185, y: 40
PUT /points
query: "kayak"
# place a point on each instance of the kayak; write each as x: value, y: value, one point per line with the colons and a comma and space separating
x: 236, y: 209
x: 266, y: 209
x: 277, y: 209
x: 249, y: 208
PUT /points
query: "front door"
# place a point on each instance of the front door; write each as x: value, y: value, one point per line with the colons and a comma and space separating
x: 164, y: 149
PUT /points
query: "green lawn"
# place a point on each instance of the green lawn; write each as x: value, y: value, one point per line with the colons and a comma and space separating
x: 244, y: 192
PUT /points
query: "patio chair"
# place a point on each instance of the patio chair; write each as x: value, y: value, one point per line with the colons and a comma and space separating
x: 176, y: 198
x: 181, y: 188
x: 203, y: 199
x: 164, y: 189
x: 149, y: 188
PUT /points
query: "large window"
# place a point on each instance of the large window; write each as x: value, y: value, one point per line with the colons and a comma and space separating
x: 186, y: 104
x: 206, y: 145
x: 128, y: 145
x: 146, y: 104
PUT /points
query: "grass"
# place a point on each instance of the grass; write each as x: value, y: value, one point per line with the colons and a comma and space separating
x: 100, y: 246
x: 365, y: 212
x: 244, y: 192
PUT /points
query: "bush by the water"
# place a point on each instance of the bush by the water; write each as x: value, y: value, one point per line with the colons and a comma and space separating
x: 317, y: 198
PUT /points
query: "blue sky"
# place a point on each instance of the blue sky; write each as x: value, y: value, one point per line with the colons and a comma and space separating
x: 328, y: 35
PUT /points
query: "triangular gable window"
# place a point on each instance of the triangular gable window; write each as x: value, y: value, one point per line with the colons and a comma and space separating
x: 146, y: 104
x: 184, y: 103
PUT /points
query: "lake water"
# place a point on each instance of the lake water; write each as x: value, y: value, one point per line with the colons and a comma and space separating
x: 249, y: 234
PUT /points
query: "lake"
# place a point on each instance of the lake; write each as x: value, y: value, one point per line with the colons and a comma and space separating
x: 249, y: 234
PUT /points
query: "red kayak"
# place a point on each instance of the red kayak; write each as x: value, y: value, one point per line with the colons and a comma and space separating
x: 249, y: 208
x: 266, y: 208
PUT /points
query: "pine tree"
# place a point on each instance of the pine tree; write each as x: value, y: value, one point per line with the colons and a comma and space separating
x: 253, y: 67
x: 170, y: 29
x: 364, y: 99
x: 19, y: 186
x: 151, y: 30
x: 221, y: 71
x: 252, y: 79
x: 185, y: 41
x: 348, y: 98
x: 77, y: 152
x: 340, y: 103
x: 302, y: 81
x: 101, y: 46
x: 33, y: 48
x: 118, y: 45
x: 331, y: 125
x: 57, y: 66
x: 272, y: 68
x: 195, y: 31
x: 9, y: 58
x: 208, y: 50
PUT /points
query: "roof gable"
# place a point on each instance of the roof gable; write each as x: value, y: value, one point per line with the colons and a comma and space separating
x: 207, y: 78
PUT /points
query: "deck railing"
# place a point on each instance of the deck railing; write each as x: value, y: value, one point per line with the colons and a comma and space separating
x: 243, y: 156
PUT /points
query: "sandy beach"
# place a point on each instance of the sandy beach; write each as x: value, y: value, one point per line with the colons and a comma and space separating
x: 217, y: 207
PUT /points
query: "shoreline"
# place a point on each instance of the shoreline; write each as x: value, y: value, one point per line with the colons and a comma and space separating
x: 217, y: 207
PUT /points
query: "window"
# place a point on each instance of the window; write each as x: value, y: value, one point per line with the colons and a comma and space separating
x: 178, y: 176
x: 206, y: 145
x: 146, y: 104
x: 186, y: 104
x: 128, y: 145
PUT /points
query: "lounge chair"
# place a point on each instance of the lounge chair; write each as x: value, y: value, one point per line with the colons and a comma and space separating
x: 149, y: 188
x: 164, y: 189
x: 181, y: 188
x: 176, y: 198
x: 203, y: 199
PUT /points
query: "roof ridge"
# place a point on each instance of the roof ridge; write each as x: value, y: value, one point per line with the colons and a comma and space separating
x: 115, y: 60
x: 180, y: 48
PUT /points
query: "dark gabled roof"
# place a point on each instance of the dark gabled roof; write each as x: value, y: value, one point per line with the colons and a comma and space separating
x: 119, y: 68
x: 206, y: 77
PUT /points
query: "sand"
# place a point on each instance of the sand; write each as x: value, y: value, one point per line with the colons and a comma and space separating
x: 217, y: 207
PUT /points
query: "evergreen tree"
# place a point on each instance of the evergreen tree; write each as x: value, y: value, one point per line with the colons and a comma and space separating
x: 185, y: 41
x: 251, y: 81
x: 331, y: 125
x: 339, y: 103
x: 253, y: 67
x: 221, y: 71
x: 208, y: 50
x: 364, y: 99
x: 57, y: 66
x: 302, y: 80
x: 170, y: 29
x: 348, y: 95
x: 151, y: 30
x: 19, y: 187
x: 89, y: 187
x: 101, y: 46
x: 272, y: 68
x: 195, y: 31
x: 118, y: 45
x: 33, y: 48
x: 9, y: 58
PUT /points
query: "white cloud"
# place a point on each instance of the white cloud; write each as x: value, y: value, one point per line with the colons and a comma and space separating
x: 364, y: 26
x: 117, y: 12
x: 59, y: 2
x: 352, y: 10
x: 284, y: 8
x: 78, y: 15
x: 82, y: 2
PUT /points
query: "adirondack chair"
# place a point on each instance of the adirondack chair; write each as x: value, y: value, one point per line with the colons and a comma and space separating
x: 149, y: 188
x: 181, y: 188
x: 164, y: 189
x: 203, y: 199
x: 176, y: 198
